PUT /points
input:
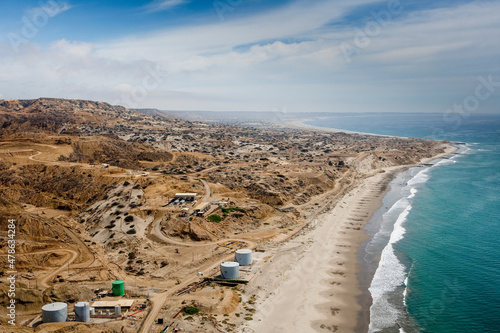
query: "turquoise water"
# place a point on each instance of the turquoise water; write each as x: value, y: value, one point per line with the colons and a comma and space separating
x: 438, y: 236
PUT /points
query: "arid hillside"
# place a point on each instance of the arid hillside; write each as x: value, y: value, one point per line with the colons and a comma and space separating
x: 92, y: 187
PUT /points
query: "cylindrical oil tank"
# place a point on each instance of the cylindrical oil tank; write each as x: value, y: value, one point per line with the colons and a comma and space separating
x: 244, y: 257
x: 118, y: 288
x: 230, y: 270
x: 92, y: 311
x: 118, y: 310
x: 108, y: 313
x: 55, y: 312
x: 82, y: 312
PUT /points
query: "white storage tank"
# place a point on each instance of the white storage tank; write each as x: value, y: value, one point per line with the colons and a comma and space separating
x: 244, y: 257
x: 55, y: 312
x: 92, y: 311
x: 118, y: 310
x: 230, y: 270
x: 82, y: 312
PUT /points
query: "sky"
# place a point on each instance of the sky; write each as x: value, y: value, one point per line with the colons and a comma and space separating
x: 438, y: 56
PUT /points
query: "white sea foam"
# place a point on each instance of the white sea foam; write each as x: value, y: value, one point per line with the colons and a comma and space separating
x: 467, y: 151
x: 390, y: 274
x: 419, y: 178
x: 398, y: 206
x: 405, y: 292
x: 391, y: 213
x: 445, y: 162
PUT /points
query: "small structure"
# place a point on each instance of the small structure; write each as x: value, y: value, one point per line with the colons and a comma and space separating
x: 230, y: 270
x: 82, y: 312
x: 124, y: 304
x: 118, y: 310
x: 55, y: 312
x: 185, y: 196
x: 202, y: 208
x: 243, y: 257
x: 118, y: 288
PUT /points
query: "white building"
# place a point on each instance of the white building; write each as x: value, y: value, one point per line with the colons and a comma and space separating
x: 186, y: 196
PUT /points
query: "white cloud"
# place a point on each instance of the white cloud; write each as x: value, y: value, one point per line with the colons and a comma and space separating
x: 76, y: 49
x: 430, y: 57
x: 162, y: 5
x: 299, y: 19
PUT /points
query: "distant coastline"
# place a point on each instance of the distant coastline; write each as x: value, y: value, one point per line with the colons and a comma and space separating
x: 300, y: 124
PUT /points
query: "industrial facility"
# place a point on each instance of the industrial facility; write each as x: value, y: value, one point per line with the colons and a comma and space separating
x: 243, y: 257
x: 82, y: 312
x: 55, y: 312
x: 118, y: 287
x: 230, y: 270
x: 124, y: 304
x: 110, y: 305
x: 202, y: 208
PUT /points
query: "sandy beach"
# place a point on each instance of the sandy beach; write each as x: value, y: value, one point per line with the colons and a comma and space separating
x: 310, y: 283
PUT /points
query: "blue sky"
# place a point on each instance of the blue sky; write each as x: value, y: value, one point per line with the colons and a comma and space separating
x: 286, y: 55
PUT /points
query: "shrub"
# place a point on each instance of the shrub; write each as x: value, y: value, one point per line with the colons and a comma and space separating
x: 129, y: 218
x: 233, y: 209
x: 191, y: 310
x: 214, y: 218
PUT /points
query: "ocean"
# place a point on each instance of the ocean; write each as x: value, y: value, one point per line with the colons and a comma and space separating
x: 432, y: 263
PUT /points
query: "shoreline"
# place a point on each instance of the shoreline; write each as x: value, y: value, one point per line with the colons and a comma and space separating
x: 300, y: 125
x: 312, y: 281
